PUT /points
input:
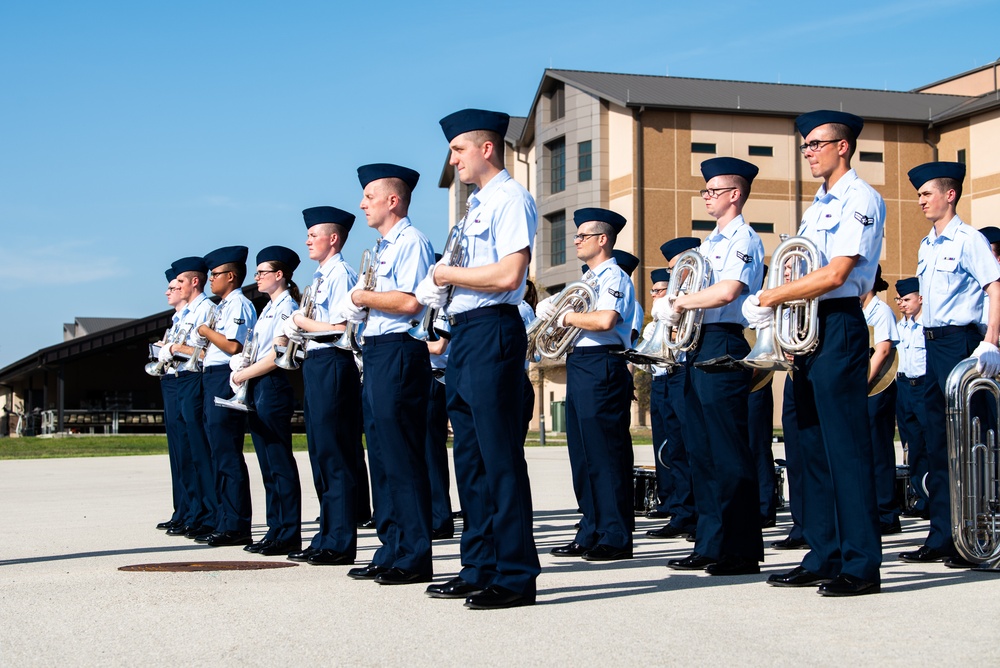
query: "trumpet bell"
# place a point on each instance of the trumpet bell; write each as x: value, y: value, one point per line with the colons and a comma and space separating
x: 765, y: 354
x: 232, y: 404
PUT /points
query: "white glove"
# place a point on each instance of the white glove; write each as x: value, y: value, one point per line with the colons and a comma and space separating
x: 664, y: 311
x: 989, y: 359
x: 561, y: 320
x: 236, y: 362
x: 199, y: 342
x: 757, y: 316
x: 348, y: 310
x: 429, y: 294
x: 164, y: 354
x: 233, y: 384
x: 546, y: 308
x: 292, y: 331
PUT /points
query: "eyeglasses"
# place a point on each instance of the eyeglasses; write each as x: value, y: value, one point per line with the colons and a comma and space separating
x: 581, y: 237
x: 178, y: 290
x: 258, y: 274
x: 714, y: 192
x: 654, y: 291
x: 815, y: 145
x: 212, y: 275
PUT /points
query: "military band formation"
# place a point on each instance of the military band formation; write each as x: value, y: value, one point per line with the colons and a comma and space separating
x: 412, y: 340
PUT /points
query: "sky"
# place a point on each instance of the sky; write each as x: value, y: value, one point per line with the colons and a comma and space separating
x: 136, y: 133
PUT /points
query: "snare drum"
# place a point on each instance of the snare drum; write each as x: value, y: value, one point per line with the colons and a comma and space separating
x: 644, y: 484
x: 906, y: 495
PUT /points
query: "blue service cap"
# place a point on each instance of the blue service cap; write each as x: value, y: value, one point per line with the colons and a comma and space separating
x: 905, y: 286
x: 227, y: 255
x: 615, y: 220
x: 675, y: 247
x: 468, y: 120
x: 285, y: 256
x: 715, y: 166
x: 806, y: 123
x: 193, y: 263
x: 921, y: 174
x: 319, y: 215
x: 658, y: 275
x: 171, y: 274
x: 991, y: 233
x: 625, y: 260
x: 385, y: 170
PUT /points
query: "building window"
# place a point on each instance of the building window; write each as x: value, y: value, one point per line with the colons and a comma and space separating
x: 584, y: 161
x: 557, y: 164
x: 869, y: 156
x: 557, y: 235
x: 702, y: 147
x: 763, y: 151
x: 702, y: 225
x: 557, y: 103
x: 961, y: 156
x: 763, y: 228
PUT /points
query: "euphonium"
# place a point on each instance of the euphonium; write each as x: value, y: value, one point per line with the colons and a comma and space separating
x: 691, y: 273
x: 795, y: 327
x: 287, y: 359
x: 239, y: 400
x: 194, y: 362
x: 974, y: 482
x: 368, y: 278
x: 653, y: 350
x: 453, y: 256
x: 547, y: 338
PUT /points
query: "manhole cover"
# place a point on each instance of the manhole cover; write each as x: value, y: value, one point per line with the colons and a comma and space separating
x: 208, y: 566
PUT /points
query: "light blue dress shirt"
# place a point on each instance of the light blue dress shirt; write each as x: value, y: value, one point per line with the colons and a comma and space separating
x: 735, y: 254
x: 403, y: 257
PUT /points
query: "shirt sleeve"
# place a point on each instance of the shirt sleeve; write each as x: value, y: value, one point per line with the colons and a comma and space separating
x: 515, y: 224
x: 612, y: 291
x: 979, y: 261
x: 862, y: 216
x: 414, y: 259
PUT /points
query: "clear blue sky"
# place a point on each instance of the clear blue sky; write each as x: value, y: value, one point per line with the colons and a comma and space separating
x: 134, y: 133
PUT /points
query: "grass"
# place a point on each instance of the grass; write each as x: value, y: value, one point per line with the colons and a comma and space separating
x: 156, y: 444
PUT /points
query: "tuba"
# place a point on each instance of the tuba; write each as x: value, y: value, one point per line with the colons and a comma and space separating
x: 348, y: 340
x: 974, y: 482
x: 239, y: 400
x: 194, y: 362
x: 286, y: 359
x: 545, y: 338
x: 453, y: 256
x: 691, y: 273
x: 795, y: 328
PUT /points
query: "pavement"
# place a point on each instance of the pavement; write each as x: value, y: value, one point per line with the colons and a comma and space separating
x: 71, y: 523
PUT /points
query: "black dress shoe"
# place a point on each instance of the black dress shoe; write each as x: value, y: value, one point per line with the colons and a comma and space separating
x: 302, y: 555
x: 656, y: 514
x: 768, y: 523
x: 607, y: 553
x: 924, y: 555
x: 889, y: 528
x: 179, y: 530
x: 203, y: 530
x: 848, y: 585
x: 443, y: 533
x: 797, y: 577
x: 734, y: 566
x: 255, y: 547
x: 573, y: 549
x: 227, y: 538
x: 496, y: 597
x: 668, y: 531
x: 453, y: 588
x: 369, y: 572
x: 790, y: 544
x: 330, y: 558
x: 277, y: 548
x: 169, y: 524
x: 692, y: 562
x: 398, y: 576
x: 959, y: 562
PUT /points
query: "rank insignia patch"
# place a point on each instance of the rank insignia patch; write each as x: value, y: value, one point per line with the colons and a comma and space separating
x: 743, y: 256
x: 863, y: 219
x: 614, y: 293
x: 239, y: 321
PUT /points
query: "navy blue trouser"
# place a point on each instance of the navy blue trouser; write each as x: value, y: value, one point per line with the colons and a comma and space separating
x: 722, y: 465
x: 226, y: 429
x: 657, y: 416
x: 271, y: 431
x: 912, y: 422
x: 333, y: 433
x: 681, y: 503
x: 761, y: 422
x: 178, y: 451
x: 793, y: 457
x: 944, y: 351
x: 436, y: 456
x: 485, y: 389
x: 881, y: 420
x: 204, y: 508
x: 840, y: 513
x: 397, y: 378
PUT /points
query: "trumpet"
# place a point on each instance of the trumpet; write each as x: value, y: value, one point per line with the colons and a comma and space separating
x: 974, y: 483
x: 453, y: 256
x: 287, y: 359
x: 239, y: 400
x: 348, y: 340
x: 691, y: 273
x: 795, y: 328
x: 170, y: 337
x: 545, y: 338
x: 194, y: 362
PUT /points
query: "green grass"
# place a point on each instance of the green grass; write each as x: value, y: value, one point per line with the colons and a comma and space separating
x: 127, y: 445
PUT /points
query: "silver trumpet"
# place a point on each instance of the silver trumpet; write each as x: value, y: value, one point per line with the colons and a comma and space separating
x: 171, y: 336
x: 692, y: 273
x: 973, y: 467
x: 239, y: 400
x: 453, y: 256
x: 545, y: 338
x: 193, y: 363
x: 287, y: 359
x: 348, y: 340
x: 795, y: 327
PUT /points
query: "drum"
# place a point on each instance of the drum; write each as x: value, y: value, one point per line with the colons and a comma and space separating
x: 906, y: 494
x: 644, y: 484
x: 779, y: 486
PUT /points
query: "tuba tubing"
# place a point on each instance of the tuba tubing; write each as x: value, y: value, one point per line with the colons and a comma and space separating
x: 551, y: 341
x: 691, y: 273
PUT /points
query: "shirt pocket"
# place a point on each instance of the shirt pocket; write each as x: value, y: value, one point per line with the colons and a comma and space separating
x: 945, y: 279
x: 476, y: 237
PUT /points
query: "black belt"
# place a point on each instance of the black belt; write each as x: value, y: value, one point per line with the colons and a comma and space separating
x: 727, y: 327
x: 902, y: 377
x: 326, y: 352
x: 933, y: 333
x: 839, y: 305
x: 382, y: 339
x: 495, y: 310
x: 216, y: 368
x: 595, y: 350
